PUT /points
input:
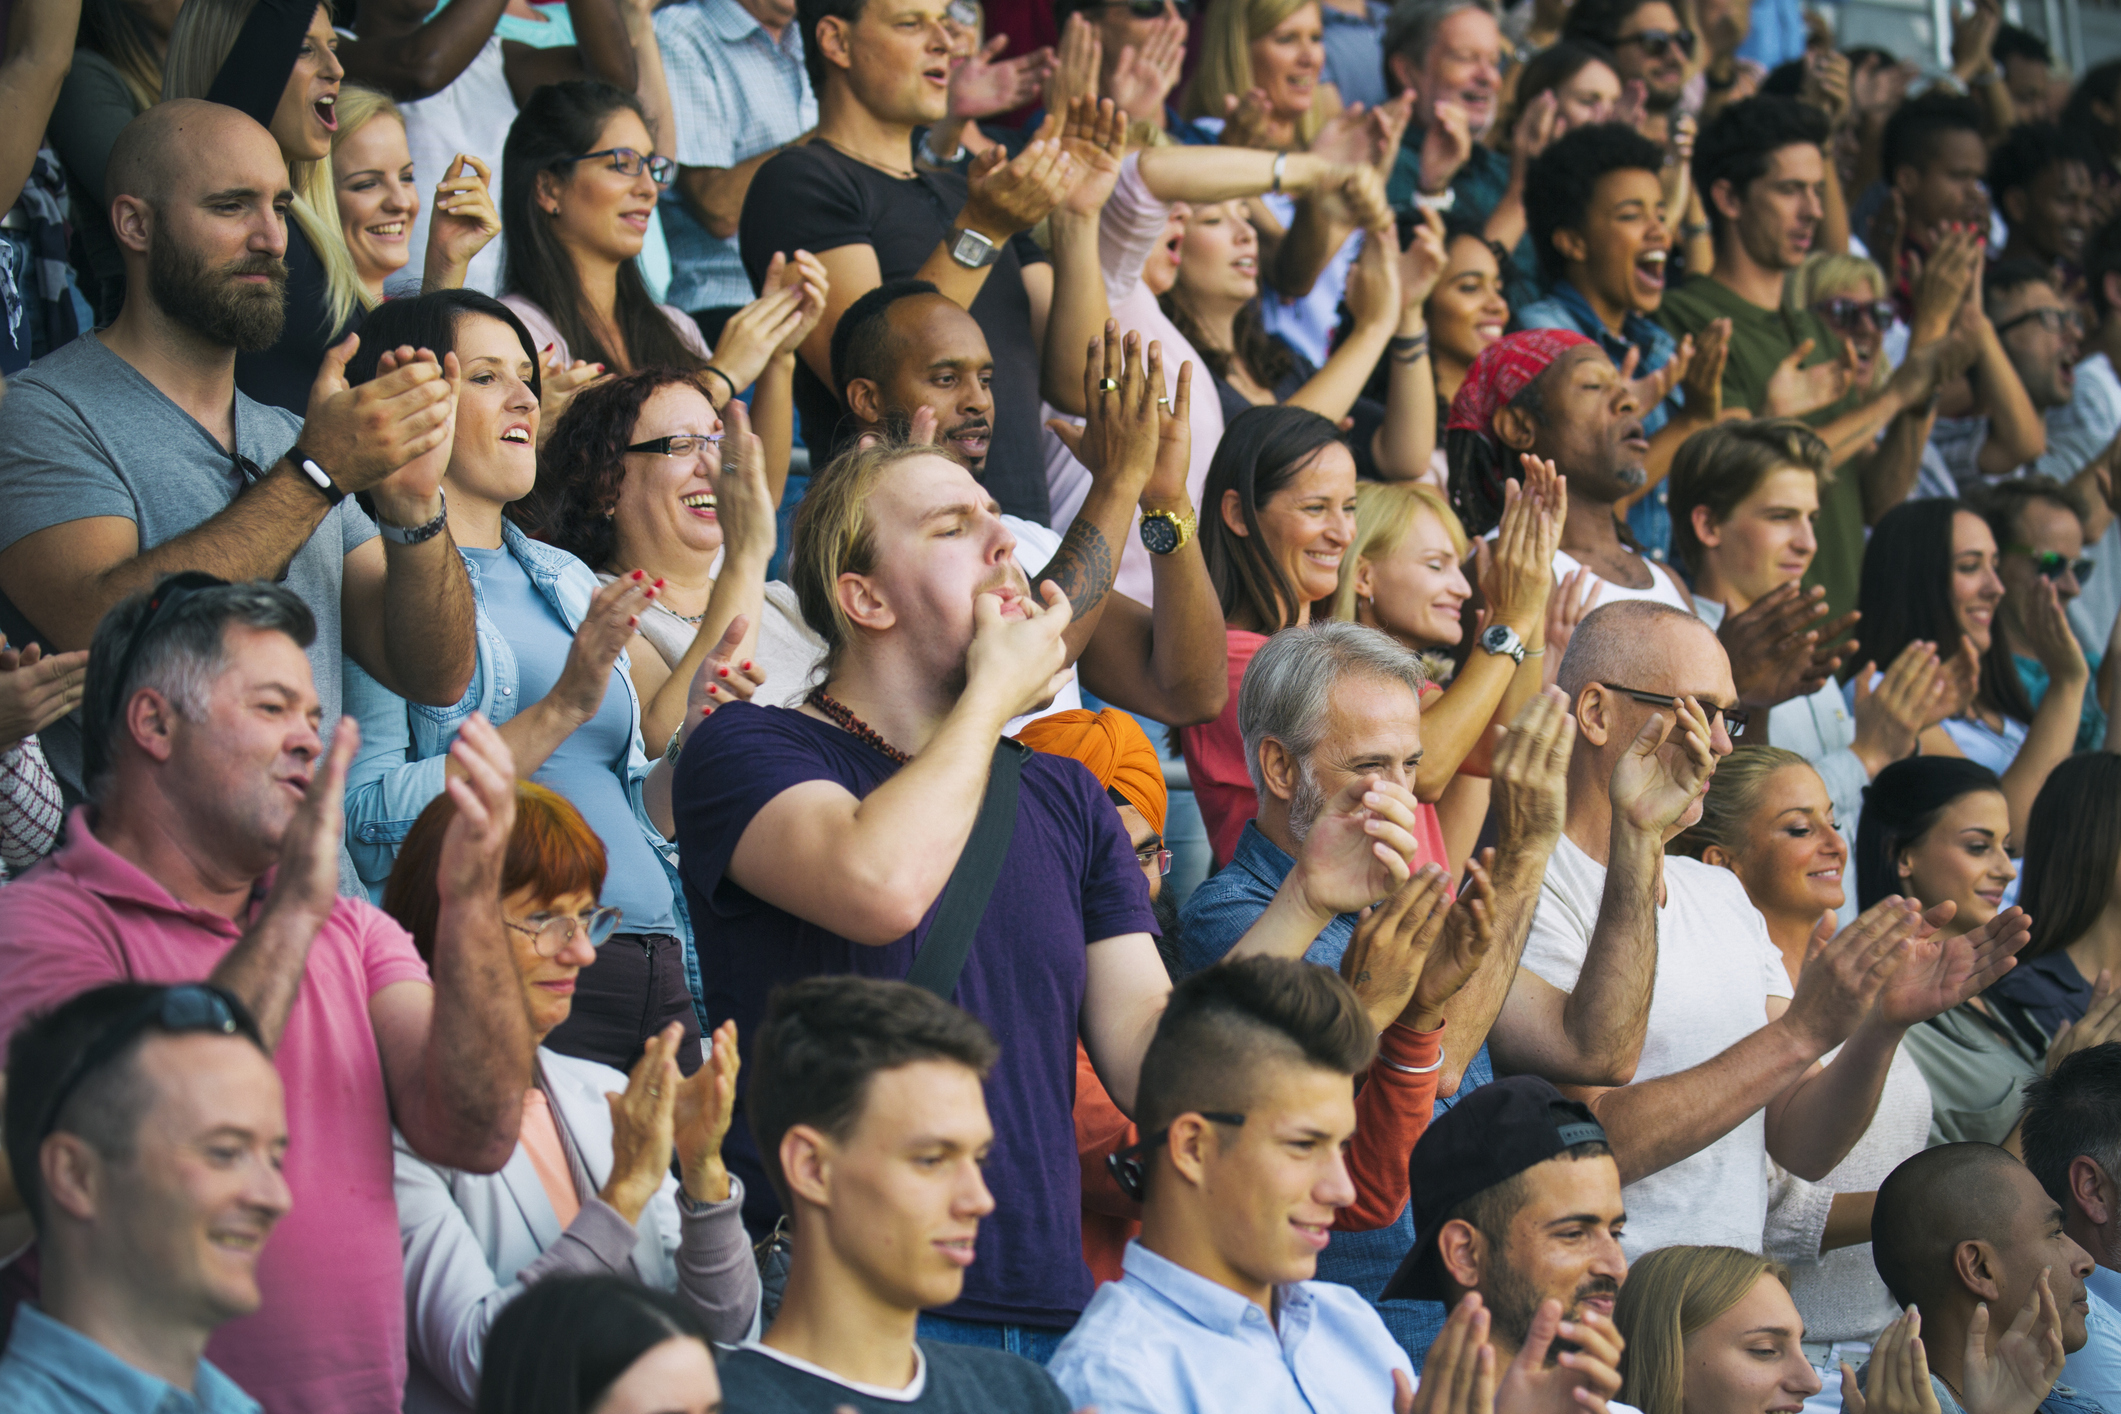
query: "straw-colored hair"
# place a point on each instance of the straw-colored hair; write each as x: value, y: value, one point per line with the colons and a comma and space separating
x: 1226, y: 58
x: 1669, y: 1295
x: 359, y: 105
x: 1733, y: 800
x: 835, y: 535
x: 199, y: 44
x: 1827, y: 274
x: 1384, y: 512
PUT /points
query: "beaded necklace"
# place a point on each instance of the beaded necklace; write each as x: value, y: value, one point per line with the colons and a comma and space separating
x: 843, y: 717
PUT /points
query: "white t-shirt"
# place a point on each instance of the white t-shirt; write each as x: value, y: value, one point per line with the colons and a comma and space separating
x: 1716, y: 969
x: 471, y: 115
x: 791, y: 652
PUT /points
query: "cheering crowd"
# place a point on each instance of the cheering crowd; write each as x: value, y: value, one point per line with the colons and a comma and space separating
x: 1161, y: 706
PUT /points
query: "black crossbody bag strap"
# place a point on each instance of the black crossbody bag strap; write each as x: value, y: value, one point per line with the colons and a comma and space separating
x: 942, y: 956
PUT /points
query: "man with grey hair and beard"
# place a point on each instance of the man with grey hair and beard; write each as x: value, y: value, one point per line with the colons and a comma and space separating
x: 1331, y: 718
x: 1650, y: 989
x: 129, y: 454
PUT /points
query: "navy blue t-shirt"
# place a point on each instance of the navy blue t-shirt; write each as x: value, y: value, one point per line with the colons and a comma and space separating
x: 1070, y: 879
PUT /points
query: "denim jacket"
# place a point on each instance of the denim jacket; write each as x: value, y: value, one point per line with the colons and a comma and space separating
x: 403, y: 758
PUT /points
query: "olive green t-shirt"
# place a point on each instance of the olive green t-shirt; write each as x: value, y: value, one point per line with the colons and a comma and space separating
x: 1760, y: 340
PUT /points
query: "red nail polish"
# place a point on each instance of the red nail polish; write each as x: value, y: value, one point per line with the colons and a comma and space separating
x: 722, y: 672
x: 747, y: 665
x: 638, y: 575
x: 712, y: 688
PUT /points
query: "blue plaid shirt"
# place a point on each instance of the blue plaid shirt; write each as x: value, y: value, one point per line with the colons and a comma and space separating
x: 1566, y: 308
x: 736, y: 92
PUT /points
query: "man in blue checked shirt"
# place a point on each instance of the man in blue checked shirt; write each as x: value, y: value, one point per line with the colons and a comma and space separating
x: 738, y: 90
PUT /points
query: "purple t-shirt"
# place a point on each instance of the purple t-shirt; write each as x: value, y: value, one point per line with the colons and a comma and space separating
x: 1070, y: 879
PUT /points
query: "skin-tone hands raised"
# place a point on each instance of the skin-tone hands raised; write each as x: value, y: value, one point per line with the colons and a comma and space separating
x: 37, y: 689
x: 1702, y: 377
x: 363, y: 435
x: 1576, y: 1380
x: 1634, y: 105
x: 1528, y: 774
x: 1373, y: 293
x: 1365, y: 137
x: 1891, y: 716
x: 1938, y: 973
x: 700, y: 1120
x: 1777, y: 648
x: 1826, y: 85
x: 1458, y: 1375
x: 484, y: 787
x: 1649, y: 792
x: 1143, y: 79
x: 719, y: 681
x: 1959, y: 678
x: 1359, y: 848
x: 1445, y: 147
x: 1422, y: 263
x: 462, y: 221
x: 1468, y: 938
x: 1844, y: 973
x: 986, y: 84
x: 614, y: 614
x: 1095, y: 139
x: 560, y: 382
x: 306, y: 880
x: 1019, y: 662
x: 1538, y: 125
x: 1391, y: 944
x: 774, y: 323
x: 1517, y: 571
x: 2047, y: 633
x: 1075, y: 69
x: 1174, y: 433
x: 1009, y: 195
x: 643, y: 1126
x: 1943, y: 282
x: 2012, y: 1373
x: 1974, y: 37
x: 1576, y: 595
x: 1794, y: 390
x: 1121, y: 431
x: 1899, y: 1373
x: 2100, y: 1023
x: 1247, y: 118
x: 408, y: 496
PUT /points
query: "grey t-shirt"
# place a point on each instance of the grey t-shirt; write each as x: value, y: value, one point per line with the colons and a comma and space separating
x: 83, y: 434
x: 948, y: 1379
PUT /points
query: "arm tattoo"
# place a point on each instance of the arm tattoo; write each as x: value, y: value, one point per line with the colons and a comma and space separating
x: 1083, y: 567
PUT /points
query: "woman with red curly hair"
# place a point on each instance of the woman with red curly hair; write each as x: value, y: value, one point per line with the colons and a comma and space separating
x: 589, y: 1189
x: 633, y: 480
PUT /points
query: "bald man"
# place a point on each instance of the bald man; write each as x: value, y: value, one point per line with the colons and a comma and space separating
x: 1966, y: 1226
x: 1650, y: 989
x: 129, y: 454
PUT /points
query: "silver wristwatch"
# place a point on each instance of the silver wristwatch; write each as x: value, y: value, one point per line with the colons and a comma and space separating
x: 1503, y: 642
x: 418, y: 534
x: 974, y: 251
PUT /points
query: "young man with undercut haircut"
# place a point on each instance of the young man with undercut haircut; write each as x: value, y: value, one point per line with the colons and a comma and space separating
x: 1247, y: 1104
x: 1595, y: 205
x: 865, y: 1102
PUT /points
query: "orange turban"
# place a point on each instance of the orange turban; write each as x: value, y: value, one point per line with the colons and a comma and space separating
x: 1113, y: 746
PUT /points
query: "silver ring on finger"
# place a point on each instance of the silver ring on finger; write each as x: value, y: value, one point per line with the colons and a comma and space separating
x: 1163, y: 402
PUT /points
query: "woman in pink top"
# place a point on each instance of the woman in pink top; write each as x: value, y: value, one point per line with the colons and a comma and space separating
x: 1277, y: 515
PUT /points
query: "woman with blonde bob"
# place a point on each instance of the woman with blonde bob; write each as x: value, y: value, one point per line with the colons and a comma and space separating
x: 1710, y: 1330
x: 1404, y: 574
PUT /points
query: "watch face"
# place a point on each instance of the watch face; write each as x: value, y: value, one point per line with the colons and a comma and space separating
x: 1159, y: 535
x: 1496, y: 639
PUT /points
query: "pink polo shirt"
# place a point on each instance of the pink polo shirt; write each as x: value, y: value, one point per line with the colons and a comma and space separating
x: 330, y: 1335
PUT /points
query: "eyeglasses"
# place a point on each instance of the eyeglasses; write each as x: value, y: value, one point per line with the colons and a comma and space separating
x: 1126, y: 1166
x: 1150, y: 9
x: 2055, y: 320
x: 193, y: 1007
x: 1844, y: 313
x: 172, y: 591
x: 1734, y: 718
x: 551, y: 933
x: 629, y: 163
x: 1158, y: 859
x: 684, y: 444
x: 1655, y: 42
x: 2053, y: 566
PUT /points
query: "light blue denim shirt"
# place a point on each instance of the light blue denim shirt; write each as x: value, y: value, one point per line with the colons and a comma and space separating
x: 403, y: 760
x: 1216, y: 915
x: 50, y: 1368
x: 1162, y: 1340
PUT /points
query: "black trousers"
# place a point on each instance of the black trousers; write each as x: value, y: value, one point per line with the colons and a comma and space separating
x: 634, y: 989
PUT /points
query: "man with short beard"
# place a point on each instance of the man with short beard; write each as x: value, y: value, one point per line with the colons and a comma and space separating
x: 1517, y: 1198
x: 129, y: 454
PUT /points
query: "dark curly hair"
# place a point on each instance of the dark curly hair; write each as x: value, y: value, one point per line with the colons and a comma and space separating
x: 1562, y: 180
x: 1737, y: 144
x: 583, y: 466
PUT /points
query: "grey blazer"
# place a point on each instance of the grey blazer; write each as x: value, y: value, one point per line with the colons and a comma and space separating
x: 474, y: 1241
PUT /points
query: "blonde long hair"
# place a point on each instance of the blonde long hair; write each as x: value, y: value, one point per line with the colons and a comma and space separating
x: 1668, y: 1296
x: 199, y: 44
x: 1226, y: 59
x: 1384, y: 512
x: 1733, y: 799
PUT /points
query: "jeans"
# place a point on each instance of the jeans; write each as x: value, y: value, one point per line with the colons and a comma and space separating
x: 1034, y: 1343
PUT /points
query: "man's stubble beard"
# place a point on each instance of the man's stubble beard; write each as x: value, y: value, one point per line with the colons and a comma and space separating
x: 1306, y: 803
x: 211, y: 303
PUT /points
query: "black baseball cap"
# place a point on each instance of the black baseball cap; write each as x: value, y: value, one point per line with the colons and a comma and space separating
x: 1495, y: 1133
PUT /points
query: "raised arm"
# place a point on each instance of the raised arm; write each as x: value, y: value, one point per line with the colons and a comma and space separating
x: 398, y: 48
x: 1095, y: 137
x: 40, y: 50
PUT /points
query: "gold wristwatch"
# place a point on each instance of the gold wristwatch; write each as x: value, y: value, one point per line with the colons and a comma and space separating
x: 1166, y: 532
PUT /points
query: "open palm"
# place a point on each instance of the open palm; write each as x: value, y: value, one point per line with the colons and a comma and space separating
x: 1938, y: 972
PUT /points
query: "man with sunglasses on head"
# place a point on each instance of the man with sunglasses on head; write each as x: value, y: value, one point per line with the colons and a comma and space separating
x: 1653, y: 46
x: 210, y: 849
x: 1649, y: 988
x: 145, y: 1132
x: 130, y: 454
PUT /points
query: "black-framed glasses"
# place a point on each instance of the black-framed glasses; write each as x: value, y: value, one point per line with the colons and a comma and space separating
x: 171, y: 591
x: 1655, y: 42
x: 683, y: 444
x: 1734, y: 718
x: 1127, y: 1167
x: 181, y: 1010
x: 1158, y: 859
x: 2055, y: 320
x: 551, y: 933
x: 2053, y: 566
x: 1845, y: 313
x: 629, y: 163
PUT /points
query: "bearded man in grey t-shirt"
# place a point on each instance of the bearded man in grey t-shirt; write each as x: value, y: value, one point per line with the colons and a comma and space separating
x: 129, y: 454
